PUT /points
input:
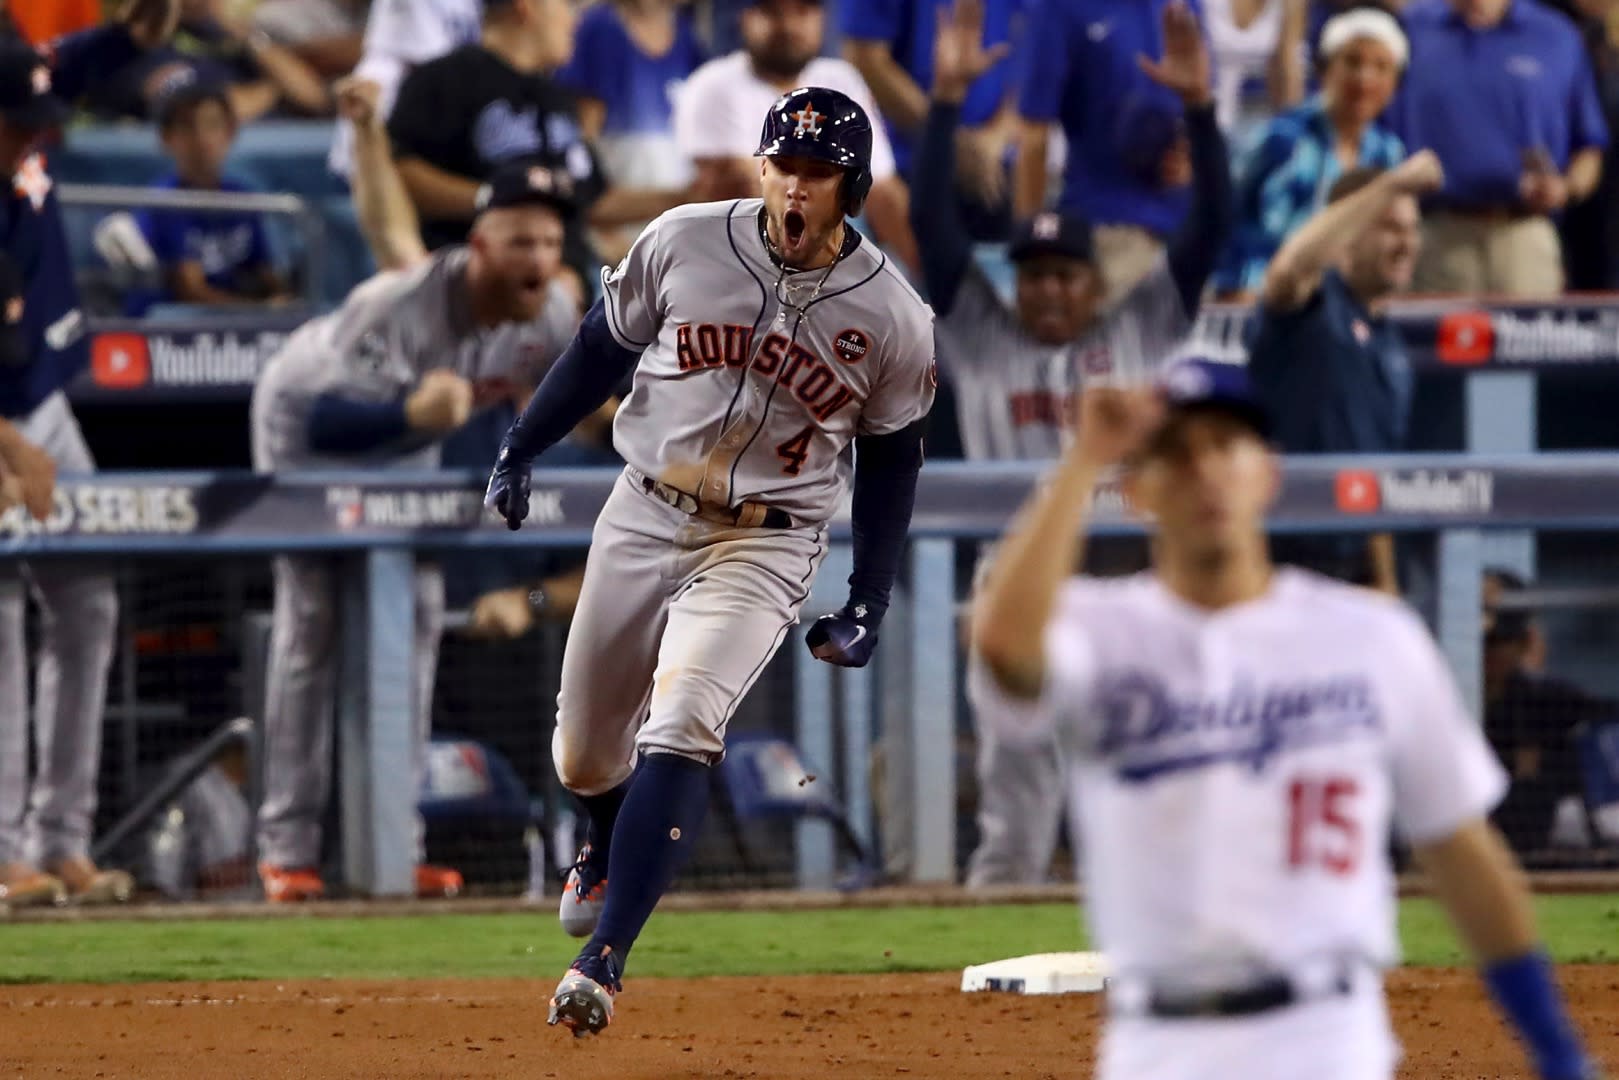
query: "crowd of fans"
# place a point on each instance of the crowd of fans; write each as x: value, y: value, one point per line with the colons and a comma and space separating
x: 1342, y: 154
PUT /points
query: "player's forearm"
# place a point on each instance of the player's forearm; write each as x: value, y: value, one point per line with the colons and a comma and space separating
x: 898, y: 96
x: 436, y: 193
x: 1040, y: 552
x: 1208, y: 226
x: 885, y: 472
x: 1029, y: 173
x: 1479, y: 883
x: 582, y: 379
x: 941, y: 236
x: 386, y: 215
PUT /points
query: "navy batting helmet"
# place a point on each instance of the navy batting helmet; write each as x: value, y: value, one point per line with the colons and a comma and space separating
x: 827, y: 125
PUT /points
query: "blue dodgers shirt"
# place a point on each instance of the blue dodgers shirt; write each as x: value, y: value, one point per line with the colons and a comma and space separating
x: 907, y: 28
x: 1481, y: 99
x: 608, y: 66
x: 1082, y: 73
x: 227, y: 245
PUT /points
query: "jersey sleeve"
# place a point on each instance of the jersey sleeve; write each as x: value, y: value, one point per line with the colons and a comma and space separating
x: 632, y: 291
x: 1067, y: 690
x: 374, y: 338
x: 903, y: 392
x: 1445, y: 774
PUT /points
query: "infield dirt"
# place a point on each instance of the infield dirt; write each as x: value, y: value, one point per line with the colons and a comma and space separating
x: 777, y: 1028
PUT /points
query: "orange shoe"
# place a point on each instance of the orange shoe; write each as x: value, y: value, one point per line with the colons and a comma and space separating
x: 290, y: 884
x: 437, y: 882
x: 22, y: 885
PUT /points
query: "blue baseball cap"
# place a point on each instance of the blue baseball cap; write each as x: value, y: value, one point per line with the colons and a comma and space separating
x: 1198, y: 384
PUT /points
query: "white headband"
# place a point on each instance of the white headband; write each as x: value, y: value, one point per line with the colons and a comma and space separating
x: 1364, y: 23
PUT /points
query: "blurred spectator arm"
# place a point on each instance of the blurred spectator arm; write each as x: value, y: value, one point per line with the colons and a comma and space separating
x: 1285, y: 78
x: 436, y: 193
x: 888, y: 210
x: 295, y: 82
x: 941, y: 234
x: 1196, y: 247
x: 870, y: 27
x: 1584, y: 173
x: 1046, y: 56
x: 383, y: 206
x: 1295, y: 273
x: 624, y: 206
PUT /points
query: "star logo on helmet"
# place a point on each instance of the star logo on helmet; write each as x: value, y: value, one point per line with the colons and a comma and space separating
x: 809, y: 121
x: 1047, y: 226
x: 540, y: 179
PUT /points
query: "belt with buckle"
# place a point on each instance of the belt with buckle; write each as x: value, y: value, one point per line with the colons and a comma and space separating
x: 749, y: 515
x: 1260, y: 995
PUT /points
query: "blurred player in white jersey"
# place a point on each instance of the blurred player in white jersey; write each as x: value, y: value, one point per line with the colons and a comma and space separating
x: 1237, y: 740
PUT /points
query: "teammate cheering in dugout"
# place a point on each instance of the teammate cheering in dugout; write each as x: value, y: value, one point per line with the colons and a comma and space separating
x: 764, y: 336
x: 381, y: 381
x: 1015, y: 373
x: 1237, y: 740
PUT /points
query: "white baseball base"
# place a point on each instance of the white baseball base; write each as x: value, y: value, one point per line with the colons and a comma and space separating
x: 1043, y: 973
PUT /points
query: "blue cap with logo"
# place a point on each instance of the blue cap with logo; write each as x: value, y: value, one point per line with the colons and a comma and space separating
x: 1196, y: 383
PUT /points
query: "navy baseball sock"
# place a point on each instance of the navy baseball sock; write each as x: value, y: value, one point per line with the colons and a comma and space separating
x: 657, y: 829
x: 602, y: 810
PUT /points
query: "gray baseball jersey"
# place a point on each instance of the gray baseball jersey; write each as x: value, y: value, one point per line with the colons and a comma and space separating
x: 390, y: 331
x: 752, y: 382
x: 1013, y: 393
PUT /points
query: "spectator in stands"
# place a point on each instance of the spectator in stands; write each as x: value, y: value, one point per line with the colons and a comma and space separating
x: 1304, y: 151
x: 212, y: 47
x: 891, y: 43
x: 1259, y: 54
x: 1531, y: 719
x: 629, y: 59
x: 45, y: 825
x: 462, y: 115
x: 205, y: 258
x: 1322, y: 353
x: 717, y: 112
x: 1017, y: 373
x: 399, y: 35
x: 1502, y: 91
x: 1126, y: 170
x: 328, y: 35
x: 1590, y: 229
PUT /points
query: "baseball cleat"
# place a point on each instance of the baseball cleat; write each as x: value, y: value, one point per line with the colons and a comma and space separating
x: 583, y: 895
x: 437, y: 882
x: 290, y: 884
x: 23, y: 886
x: 583, y: 1002
x: 88, y: 884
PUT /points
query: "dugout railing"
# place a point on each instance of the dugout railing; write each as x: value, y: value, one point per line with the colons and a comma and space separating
x: 164, y: 529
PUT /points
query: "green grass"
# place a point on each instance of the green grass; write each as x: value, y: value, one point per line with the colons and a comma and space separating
x: 1578, y: 928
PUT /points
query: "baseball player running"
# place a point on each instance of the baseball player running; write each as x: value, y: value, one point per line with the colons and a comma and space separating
x: 381, y: 380
x: 46, y: 818
x: 1017, y: 369
x: 765, y: 336
x: 1237, y: 739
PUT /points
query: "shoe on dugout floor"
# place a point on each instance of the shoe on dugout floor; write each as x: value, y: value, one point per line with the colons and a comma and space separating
x: 86, y: 883
x: 22, y: 885
x: 437, y: 882
x: 290, y: 884
x: 583, y: 1002
x: 583, y: 894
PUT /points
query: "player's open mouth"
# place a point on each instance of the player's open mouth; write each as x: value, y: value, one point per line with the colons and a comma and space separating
x: 792, y: 227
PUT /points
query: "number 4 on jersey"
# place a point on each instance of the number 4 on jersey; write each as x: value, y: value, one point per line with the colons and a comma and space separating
x: 1321, y: 830
x: 795, y: 451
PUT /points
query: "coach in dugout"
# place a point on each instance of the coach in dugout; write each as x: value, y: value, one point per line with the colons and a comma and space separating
x: 45, y: 826
x: 1330, y: 366
x: 1016, y: 372
x: 381, y: 381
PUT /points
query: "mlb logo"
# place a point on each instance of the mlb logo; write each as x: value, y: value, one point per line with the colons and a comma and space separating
x: 120, y: 361
x: 1357, y: 491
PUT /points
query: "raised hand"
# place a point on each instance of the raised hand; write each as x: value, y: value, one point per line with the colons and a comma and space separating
x: 1185, y: 68
x: 357, y: 100
x: 1114, y: 422
x: 151, y: 22
x: 959, y: 56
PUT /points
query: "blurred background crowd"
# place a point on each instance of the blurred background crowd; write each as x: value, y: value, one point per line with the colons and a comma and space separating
x: 1454, y: 147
